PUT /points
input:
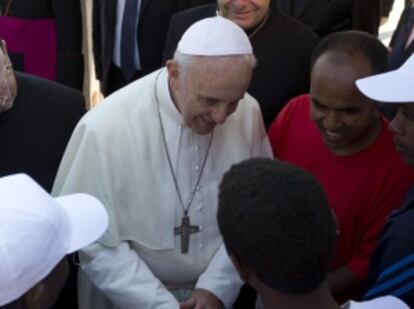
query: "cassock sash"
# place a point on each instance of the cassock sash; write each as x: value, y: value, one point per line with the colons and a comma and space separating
x: 31, y: 44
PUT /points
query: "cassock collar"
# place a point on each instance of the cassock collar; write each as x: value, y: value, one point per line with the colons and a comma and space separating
x: 166, y: 103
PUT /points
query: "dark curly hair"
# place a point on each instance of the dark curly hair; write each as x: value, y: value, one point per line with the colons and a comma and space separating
x: 275, y: 219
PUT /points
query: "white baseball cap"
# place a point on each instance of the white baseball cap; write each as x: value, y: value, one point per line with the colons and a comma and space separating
x: 392, y: 87
x: 215, y: 36
x: 384, y: 302
x: 37, y: 231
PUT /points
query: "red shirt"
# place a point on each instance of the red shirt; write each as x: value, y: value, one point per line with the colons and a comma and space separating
x: 362, y: 188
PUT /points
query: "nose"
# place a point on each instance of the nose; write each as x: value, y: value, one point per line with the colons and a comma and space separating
x: 396, y: 124
x: 3, y: 80
x: 219, y: 114
x: 331, y: 121
x: 239, y: 2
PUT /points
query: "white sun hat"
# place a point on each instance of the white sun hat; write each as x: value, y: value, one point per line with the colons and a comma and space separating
x: 384, y: 302
x: 37, y: 231
x: 215, y: 36
x: 392, y: 87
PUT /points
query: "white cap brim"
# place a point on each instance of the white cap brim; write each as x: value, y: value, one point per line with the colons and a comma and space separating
x: 87, y: 217
x: 380, y: 303
x: 392, y: 87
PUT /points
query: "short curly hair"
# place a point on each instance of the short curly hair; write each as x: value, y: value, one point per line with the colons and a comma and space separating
x: 275, y: 219
x: 352, y: 44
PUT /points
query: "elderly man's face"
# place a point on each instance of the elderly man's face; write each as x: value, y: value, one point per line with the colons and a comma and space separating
x: 208, y: 91
x: 246, y: 13
x: 8, y: 87
x: 403, y: 128
x: 348, y: 122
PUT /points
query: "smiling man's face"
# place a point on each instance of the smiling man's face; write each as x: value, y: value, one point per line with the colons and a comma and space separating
x: 246, y: 13
x: 347, y: 120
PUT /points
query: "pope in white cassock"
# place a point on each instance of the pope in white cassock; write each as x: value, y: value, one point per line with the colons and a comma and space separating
x: 154, y: 153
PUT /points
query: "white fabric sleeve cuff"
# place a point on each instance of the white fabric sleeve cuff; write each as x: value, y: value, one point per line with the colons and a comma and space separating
x: 221, y: 278
x: 124, y: 278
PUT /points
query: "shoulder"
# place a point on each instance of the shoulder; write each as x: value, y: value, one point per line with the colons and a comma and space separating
x: 49, y: 95
x: 399, y: 228
x: 385, y: 302
x: 299, y: 105
x: 248, y: 106
x: 123, y: 110
x: 189, y: 16
x: 46, y: 88
x: 247, y: 114
x: 295, y: 111
x: 294, y: 29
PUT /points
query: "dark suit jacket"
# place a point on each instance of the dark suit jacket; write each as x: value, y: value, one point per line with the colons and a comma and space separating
x: 68, y: 18
x: 152, y: 29
x: 35, y: 131
x: 327, y: 16
x: 33, y: 137
x: 410, y: 48
x: 283, y: 48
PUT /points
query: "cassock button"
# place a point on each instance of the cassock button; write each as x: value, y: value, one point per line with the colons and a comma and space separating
x: 197, y: 147
x: 201, y: 246
x: 201, y: 208
x: 197, y: 167
x: 198, y: 188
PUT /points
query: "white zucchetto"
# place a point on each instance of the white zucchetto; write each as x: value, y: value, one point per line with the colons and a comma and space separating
x: 215, y: 36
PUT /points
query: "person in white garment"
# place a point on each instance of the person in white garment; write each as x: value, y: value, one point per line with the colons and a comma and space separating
x: 36, y: 234
x: 154, y: 153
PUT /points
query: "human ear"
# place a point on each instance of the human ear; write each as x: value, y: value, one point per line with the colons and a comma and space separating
x: 33, y: 298
x: 244, y: 273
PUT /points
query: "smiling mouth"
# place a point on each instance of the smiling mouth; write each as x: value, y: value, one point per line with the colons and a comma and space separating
x: 207, y: 123
x: 4, y: 99
x: 334, y: 136
x: 241, y: 14
x: 333, y: 133
x: 400, y: 147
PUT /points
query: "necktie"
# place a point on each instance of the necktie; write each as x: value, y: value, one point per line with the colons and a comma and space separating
x: 129, y: 38
x: 396, y: 58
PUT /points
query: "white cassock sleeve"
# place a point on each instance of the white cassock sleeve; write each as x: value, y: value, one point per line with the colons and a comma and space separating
x: 221, y: 278
x: 124, y: 278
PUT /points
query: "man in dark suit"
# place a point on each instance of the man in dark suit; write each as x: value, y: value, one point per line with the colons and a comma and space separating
x: 402, y: 47
x: 37, y: 117
x: 402, y: 44
x: 325, y: 17
x: 282, y: 46
x: 66, y: 18
x: 151, y: 28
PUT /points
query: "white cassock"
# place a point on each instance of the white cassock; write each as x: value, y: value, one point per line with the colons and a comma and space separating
x: 116, y: 153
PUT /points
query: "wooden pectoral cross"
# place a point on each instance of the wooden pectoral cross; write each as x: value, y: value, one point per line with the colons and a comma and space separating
x: 185, y: 230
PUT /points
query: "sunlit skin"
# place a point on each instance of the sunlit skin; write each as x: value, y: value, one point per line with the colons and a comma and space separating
x: 247, y: 14
x: 348, y: 121
x: 403, y: 128
x: 8, y: 86
x: 209, y: 91
x: 44, y: 294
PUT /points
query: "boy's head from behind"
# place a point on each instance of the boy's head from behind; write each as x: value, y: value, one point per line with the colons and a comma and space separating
x: 276, y: 225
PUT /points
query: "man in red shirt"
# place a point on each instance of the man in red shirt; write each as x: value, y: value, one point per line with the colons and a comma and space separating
x: 338, y: 135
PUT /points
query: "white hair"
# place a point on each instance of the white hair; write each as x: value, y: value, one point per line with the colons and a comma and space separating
x: 185, y: 61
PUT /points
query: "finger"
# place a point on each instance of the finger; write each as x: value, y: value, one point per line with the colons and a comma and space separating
x: 186, y: 306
